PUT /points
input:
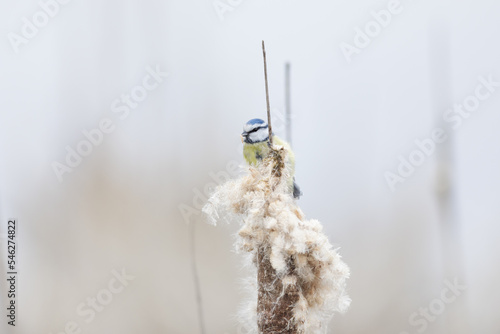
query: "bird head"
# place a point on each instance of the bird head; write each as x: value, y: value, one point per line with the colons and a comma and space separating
x: 255, y: 131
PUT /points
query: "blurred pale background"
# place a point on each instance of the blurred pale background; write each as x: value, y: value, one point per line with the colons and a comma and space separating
x: 120, y: 208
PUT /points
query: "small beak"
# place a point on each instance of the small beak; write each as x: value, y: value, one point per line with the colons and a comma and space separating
x: 243, y: 137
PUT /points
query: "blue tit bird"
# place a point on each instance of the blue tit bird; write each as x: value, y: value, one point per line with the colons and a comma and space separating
x: 255, y: 138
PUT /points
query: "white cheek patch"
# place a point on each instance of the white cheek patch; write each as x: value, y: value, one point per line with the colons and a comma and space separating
x: 259, y: 135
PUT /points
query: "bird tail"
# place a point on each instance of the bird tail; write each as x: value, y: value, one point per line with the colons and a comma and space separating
x: 296, y: 190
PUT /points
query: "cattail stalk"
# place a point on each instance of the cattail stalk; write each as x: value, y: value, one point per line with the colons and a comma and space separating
x: 276, y: 300
x: 267, y: 96
x: 300, y: 278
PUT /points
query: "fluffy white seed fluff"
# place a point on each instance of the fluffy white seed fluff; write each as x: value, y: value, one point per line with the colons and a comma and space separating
x: 271, y: 220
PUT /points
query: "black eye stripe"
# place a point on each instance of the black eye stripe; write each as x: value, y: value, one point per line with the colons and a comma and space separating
x: 256, y: 129
x: 252, y: 131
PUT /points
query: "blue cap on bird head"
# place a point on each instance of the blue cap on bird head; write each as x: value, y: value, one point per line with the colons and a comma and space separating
x: 255, y: 131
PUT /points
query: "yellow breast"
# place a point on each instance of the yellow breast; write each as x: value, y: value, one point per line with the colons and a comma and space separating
x: 254, y: 153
